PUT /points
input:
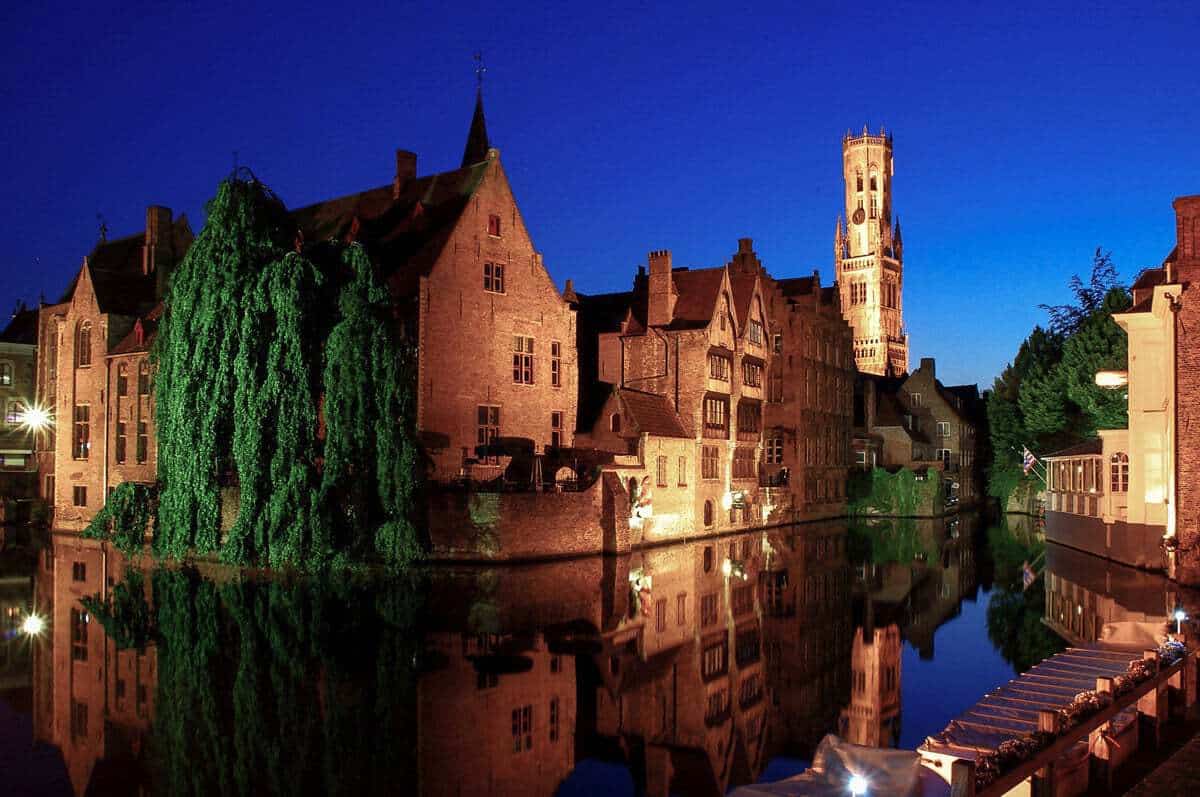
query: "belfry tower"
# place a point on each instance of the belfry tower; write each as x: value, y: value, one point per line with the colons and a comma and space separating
x: 868, y: 256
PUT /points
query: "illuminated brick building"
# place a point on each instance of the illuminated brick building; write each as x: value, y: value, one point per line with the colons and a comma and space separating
x: 869, y: 257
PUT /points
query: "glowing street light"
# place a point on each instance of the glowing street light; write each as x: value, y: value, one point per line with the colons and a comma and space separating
x: 1180, y: 615
x: 1112, y: 379
x: 858, y: 785
x: 33, y: 625
x: 35, y: 418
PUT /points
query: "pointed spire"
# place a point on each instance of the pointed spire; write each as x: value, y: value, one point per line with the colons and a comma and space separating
x: 477, y: 147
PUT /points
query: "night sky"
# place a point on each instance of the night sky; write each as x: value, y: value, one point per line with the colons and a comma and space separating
x: 1024, y: 138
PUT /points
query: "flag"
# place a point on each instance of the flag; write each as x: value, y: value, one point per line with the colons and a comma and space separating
x: 1028, y: 575
x: 1029, y: 460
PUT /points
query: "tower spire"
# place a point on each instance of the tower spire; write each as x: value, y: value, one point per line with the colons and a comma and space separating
x: 477, y: 138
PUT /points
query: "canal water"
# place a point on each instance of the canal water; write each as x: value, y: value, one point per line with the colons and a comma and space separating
x: 681, y: 669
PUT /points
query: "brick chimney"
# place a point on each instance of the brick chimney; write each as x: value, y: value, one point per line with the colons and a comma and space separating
x: 928, y: 367
x: 1187, y: 231
x: 156, y: 251
x: 406, y: 169
x: 660, y: 306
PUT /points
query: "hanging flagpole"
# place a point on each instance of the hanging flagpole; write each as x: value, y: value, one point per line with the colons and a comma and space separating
x: 1030, y: 463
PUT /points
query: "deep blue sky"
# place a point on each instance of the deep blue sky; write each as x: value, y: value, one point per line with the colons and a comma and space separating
x: 1024, y: 137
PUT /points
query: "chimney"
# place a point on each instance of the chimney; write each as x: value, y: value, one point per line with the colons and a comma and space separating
x: 157, y: 248
x: 406, y: 169
x: 928, y: 366
x: 660, y: 306
x: 569, y: 294
x: 1187, y: 230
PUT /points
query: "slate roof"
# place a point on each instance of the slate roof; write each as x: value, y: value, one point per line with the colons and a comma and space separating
x: 116, y: 270
x: 1093, y: 446
x: 651, y: 413
x: 22, y: 328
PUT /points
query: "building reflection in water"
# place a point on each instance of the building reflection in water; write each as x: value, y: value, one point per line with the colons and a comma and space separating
x: 687, y: 667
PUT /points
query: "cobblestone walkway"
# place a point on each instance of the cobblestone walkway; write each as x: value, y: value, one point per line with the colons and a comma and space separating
x: 1179, y: 774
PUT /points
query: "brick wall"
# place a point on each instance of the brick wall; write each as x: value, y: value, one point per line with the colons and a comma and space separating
x: 132, y: 413
x: 1187, y: 389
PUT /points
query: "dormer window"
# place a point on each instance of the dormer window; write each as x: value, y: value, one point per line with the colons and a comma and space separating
x: 494, y: 225
x: 756, y: 332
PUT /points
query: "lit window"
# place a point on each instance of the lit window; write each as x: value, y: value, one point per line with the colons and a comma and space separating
x: 122, y: 380
x: 15, y: 410
x: 493, y: 277
x: 943, y: 429
x: 83, y: 344
x: 6, y: 374
x: 522, y: 729
x: 144, y: 378
x: 487, y: 428
x: 716, y: 416
x: 82, y: 441
x: 1119, y: 472
x: 614, y: 423
x: 522, y: 360
x: 773, y: 451
x: 556, y: 429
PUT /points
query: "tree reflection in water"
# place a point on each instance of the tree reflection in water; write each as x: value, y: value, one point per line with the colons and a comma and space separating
x: 501, y: 680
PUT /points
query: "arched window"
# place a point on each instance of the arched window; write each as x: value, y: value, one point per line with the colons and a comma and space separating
x: 1118, y: 472
x: 6, y: 374
x: 858, y: 180
x: 874, y: 181
x: 708, y: 521
x: 708, y: 549
x: 83, y: 344
x: 122, y: 380
x: 144, y: 378
x: 614, y: 422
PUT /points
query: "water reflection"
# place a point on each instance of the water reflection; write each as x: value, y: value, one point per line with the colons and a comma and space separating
x: 686, y: 668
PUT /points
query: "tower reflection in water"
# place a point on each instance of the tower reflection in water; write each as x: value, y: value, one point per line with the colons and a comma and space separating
x: 686, y: 668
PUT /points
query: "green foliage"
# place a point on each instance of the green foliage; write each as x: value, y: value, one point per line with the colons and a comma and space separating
x: 1066, y: 319
x: 259, y: 344
x: 1014, y: 614
x: 125, y: 517
x: 896, y: 494
x: 1098, y: 345
x: 1043, y: 401
x: 125, y: 614
x: 897, y: 540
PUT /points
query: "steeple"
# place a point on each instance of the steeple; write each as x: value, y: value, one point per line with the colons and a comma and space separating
x: 477, y: 139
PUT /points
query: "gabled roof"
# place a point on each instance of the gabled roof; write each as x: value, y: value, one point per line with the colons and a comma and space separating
x: 698, y: 292
x: 142, y: 335
x: 22, y: 328
x: 651, y: 413
x: 407, y: 230
x: 743, y: 295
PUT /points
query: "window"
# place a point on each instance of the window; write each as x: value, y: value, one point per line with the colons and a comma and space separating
x: 144, y: 378
x: 15, y: 410
x: 710, y: 464
x: 774, y: 451
x: 749, y: 419
x: 743, y: 600
x: 79, y: 571
x: 556, y: 664
x: 708, y: 521
x: 874, y: 182
x: 858, y: 293
x: 661, y: 471
x: 858, y: 180
x: 6, y: 374
x: 709, y: 606
x: 681, y: 608
x: 79, y: 719
x: 122, y: 380
x: 554, y: 719
x: 746, y: 648
x: 487, y: 425
x: 82, y: 442
x: 717, y: 709
x: 944, y: 455
x: 494, y: 225
x: 493, y: 277
x: 716, y: 416
x: 660, y: 615
x: 79, y: 495
x: 943, y: 429
x: 682, y: 480
x: 143, y: 441
x: 743, y: 463
x: 1118, y: 472
x: 874, y: 206
x: 555, y: 364
x: 83, y: 344
x: 614, y: 422
x: 522, y: 728
x: 755, y: 330
x: 777, y: 344
x: 915, y: 398
x: 860, y: 458
x: 522, y: 360
x: 752, y: 373
x: 79, y: 635
x: 714, y: 660
x: 719, y: 367
x: 120, y: 441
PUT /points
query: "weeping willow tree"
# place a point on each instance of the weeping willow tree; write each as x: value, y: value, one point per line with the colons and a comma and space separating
x: 259, y: 344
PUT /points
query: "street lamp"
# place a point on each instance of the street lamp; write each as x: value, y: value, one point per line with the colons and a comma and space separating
x: 1112, y: 379
x: 35, y: 418
x: 33, y: 625
x: 858, y: 785
x: 1180, y: 615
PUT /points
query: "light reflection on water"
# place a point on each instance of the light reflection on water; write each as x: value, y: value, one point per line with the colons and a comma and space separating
x: 537, y: 678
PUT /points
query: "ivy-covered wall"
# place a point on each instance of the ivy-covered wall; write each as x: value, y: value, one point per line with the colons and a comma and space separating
x: 899, y: 494
x: 284, y: 402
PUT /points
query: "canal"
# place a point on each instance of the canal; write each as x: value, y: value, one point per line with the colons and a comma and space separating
x: 680, y: 669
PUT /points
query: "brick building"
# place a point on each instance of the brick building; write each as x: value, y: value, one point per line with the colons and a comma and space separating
x: 809, y: 408
x: 18, y: 357
x: 495, y: 337
x: 119, y: 284
x: 675, y: 382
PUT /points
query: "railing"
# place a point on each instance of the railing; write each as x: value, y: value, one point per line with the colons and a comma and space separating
x: 1150, y: 697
